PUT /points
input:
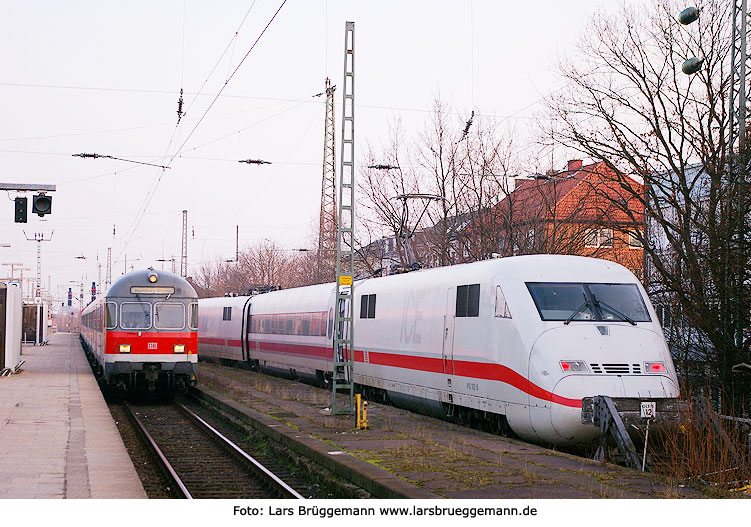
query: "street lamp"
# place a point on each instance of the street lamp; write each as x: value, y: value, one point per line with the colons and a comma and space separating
x: 686, y: 17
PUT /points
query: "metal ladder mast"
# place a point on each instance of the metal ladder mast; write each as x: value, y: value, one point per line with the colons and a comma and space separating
x: 343, y: 384
x: 184, y: 255
x: 328, y: 219
x: 740, y: 71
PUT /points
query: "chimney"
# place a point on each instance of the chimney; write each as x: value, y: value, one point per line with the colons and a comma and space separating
x: 574, y: 165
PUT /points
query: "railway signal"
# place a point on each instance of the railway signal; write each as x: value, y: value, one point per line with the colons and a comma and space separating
x: 22, y: 205
x: 41, y: 204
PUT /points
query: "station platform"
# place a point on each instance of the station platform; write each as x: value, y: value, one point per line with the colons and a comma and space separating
x: 57, y: 437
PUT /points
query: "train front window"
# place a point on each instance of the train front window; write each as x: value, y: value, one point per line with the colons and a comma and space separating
x: 569, y: 302
x: 169, y: 316
x: 618, y: 300
x: 135, y: 315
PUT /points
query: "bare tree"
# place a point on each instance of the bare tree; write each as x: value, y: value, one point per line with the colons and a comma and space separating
x: 262, y: 264
x: 628, y: 105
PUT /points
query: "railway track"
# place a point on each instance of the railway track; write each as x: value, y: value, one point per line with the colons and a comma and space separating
x: 200, y: 460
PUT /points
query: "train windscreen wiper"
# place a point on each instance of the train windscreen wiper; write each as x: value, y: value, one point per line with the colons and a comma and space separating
x: 578, y: 309
x: 601, y: 304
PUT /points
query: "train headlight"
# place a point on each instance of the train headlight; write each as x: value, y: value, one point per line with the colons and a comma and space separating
x: 124, y: 348
x: 179, y: 348
x: 574, y: 366
x: 152, y: 277
x: 655, y: 367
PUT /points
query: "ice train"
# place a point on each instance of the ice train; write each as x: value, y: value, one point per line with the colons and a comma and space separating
x: 516, y: 342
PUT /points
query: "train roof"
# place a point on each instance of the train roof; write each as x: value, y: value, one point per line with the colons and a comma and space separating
x: 527, y: 268
x: 165, y: 283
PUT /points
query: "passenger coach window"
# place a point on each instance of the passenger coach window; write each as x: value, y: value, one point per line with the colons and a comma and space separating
x: 468, y: 300
x: 227, y: 313
x: 169, y: 316
x: 135, y: 315
x: 367, y: 306
x: 111, y: 314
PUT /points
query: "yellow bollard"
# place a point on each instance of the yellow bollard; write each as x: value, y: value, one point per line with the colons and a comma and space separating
x: 362, y: 412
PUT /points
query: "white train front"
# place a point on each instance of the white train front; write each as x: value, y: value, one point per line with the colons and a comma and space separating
x: 518, y: 341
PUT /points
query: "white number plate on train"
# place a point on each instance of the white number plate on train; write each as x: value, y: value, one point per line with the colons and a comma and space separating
x: 648, y: 409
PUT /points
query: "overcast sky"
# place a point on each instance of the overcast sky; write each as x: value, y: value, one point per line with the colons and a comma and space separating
x: 105, y: 77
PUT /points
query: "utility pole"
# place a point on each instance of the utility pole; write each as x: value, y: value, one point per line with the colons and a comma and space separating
x: 184, y: 255
x: 343, y: 374
x: 327, y: 230
x: 39, y: 238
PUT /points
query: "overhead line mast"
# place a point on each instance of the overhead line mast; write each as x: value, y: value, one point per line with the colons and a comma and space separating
x: 327, y: 230
x: 343, y: 375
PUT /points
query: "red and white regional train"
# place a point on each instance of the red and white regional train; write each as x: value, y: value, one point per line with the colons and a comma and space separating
x: 517, y: 341
x: 143, y: 333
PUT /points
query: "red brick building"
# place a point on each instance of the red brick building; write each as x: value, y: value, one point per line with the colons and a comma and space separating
x: 585, y: 210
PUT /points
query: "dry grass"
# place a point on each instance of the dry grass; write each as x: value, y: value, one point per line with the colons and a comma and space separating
x: 705, y: 449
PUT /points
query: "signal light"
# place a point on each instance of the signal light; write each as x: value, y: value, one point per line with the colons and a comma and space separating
x: 70, y: 297
x: 22, y: 206
x: 41, y: 204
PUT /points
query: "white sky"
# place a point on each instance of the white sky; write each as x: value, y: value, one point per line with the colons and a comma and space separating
x: 104, y: 77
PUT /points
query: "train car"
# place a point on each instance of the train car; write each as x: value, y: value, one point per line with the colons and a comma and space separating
x: 143, y: 333
x: 516, y: 342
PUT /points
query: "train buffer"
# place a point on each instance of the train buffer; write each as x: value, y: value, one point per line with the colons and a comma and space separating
x: 621, y: 420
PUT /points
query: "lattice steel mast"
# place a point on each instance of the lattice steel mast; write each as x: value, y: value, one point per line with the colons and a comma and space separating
x: 739, y: 154
x: 327, y: 232
x: 184, y: 254
x: 343, y: 378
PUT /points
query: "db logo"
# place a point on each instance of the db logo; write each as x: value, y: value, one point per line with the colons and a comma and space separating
x: 152, y: 345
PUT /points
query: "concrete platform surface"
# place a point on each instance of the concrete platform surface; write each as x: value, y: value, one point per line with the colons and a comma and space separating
x: 57, y: 437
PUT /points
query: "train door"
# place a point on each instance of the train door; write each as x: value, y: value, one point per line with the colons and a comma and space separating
x: 449, y: 320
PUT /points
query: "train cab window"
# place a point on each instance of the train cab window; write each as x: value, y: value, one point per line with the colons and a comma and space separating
x: 111, y: 314
x: 227, y: 313
x: 169, y: 315
x: 501, y: 306
x: 367, y: 306
x: 135, y: 315
x: 588, y: 302
x: 468, y: 300
x: 193, y: 316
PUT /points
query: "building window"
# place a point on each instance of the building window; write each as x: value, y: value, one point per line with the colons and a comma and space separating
x: 634, y: 242
x: 227, y: 313
x: 367, y: 306
x: 468, y: 300
x: 598, y: 238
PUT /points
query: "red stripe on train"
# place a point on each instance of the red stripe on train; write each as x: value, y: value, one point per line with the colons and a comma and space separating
x: 151, y: 342
x: 476, y: 370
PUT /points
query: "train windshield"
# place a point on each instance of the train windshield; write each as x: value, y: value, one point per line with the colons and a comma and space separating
x: 169, y: 316
x: 589, y: 302
x: 135, y: 315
